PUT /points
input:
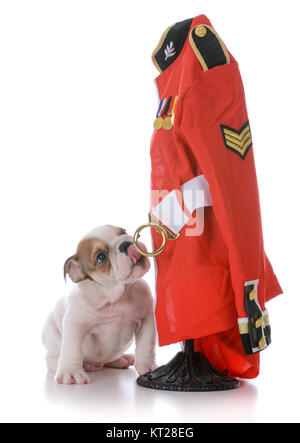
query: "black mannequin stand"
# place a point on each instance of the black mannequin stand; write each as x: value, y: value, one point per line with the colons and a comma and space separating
x: 188, y: 371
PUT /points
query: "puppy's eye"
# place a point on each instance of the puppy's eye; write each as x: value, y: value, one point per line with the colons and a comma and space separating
x: 123, y: 232
x: 101, y: 257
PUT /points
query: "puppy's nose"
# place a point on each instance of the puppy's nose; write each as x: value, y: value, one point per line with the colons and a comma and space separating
x: 124, y: 246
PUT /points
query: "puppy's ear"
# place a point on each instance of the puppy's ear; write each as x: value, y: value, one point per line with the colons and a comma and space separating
x: 73, y: 268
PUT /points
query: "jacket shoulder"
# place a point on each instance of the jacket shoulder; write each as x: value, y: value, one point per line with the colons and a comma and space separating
x: 208, y: 47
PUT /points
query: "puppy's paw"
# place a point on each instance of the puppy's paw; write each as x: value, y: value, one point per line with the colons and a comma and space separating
x: 130, y: 359
x: 122, y: 363
x: 143, y: 367
x: 71, y: 376
x: 92, y: 367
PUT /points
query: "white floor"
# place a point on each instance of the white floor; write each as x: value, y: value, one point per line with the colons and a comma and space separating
x: 29, y: 394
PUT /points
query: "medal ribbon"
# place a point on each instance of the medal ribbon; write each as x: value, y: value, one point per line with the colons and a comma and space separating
x: 173, y: 107
x: 160, y: 107
x: 165, y: 113
x: 167, y: 106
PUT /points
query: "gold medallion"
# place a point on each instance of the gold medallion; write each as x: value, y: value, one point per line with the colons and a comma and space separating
x: 158, y: 122
x: 167, y: 123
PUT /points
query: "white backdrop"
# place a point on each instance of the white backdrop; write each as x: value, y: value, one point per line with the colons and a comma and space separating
x: 77, y: 102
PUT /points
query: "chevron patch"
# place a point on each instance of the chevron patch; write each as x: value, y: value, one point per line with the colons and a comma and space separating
x: 238, y: 141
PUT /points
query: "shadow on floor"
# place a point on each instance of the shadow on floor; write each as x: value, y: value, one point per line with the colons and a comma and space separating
x: 113, y: 396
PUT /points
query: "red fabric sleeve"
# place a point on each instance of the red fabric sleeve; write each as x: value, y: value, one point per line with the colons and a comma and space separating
x: 217, y: 98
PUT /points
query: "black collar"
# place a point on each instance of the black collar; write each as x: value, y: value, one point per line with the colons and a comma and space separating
x: 171, y: 44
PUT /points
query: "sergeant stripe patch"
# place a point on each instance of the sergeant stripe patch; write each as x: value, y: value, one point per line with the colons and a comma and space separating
x: 238, y: 141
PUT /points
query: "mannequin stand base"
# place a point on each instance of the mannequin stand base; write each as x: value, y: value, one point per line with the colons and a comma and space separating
x: 188, y: 371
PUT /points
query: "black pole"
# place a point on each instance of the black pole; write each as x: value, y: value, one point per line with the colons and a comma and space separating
x: 189, y: 346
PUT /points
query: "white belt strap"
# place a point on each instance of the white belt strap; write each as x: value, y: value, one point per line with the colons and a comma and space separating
x: 176, y: 209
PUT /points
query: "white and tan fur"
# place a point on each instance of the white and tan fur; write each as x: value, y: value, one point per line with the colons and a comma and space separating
x: 109, y: 305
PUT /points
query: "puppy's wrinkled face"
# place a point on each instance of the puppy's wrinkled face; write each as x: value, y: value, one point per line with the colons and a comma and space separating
x: 107, y: 256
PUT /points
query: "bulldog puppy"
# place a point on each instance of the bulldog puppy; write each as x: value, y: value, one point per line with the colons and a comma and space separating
x: 107, y: 308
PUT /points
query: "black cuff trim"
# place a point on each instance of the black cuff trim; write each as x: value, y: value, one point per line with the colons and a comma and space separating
x: 255, y: 329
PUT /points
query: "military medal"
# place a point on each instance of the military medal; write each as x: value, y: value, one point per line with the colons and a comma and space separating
x: 168, y: 122
x: 165, y: 111
x: 158, y: 122
x: 165, y: 117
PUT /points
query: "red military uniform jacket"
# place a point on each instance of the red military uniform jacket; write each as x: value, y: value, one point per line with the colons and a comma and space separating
x: 211, y: 286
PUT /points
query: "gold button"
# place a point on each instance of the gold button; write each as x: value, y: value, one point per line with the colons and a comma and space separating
x: 201, y: 31
x: 252, y: 294
x: 262, y: 343
x: 259, y: 322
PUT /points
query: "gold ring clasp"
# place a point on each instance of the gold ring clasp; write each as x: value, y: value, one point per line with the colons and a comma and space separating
x: 160, y: 230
